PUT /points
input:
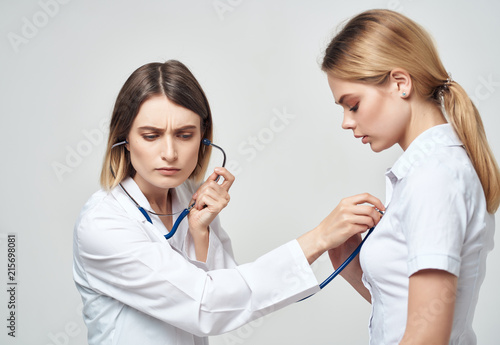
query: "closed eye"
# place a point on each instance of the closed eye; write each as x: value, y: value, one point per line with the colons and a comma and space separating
x: 355, y: 108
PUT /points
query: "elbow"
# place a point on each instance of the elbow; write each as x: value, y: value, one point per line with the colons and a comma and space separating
x: 423, y: 340
x: 211, y: 324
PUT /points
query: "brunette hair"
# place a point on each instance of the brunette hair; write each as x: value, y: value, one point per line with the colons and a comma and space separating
x: 171, y: 79
x: 375, y: 42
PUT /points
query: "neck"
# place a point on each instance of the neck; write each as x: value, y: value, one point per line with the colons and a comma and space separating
x: 158, y: 198
x: 160, y: 203
x: 424, y: 115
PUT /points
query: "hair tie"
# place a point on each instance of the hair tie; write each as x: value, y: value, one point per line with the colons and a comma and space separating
x: 443, y: 88
x: 448, y: 82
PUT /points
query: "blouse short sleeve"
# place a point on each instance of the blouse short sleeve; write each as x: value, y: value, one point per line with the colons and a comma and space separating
x: 436, y: 210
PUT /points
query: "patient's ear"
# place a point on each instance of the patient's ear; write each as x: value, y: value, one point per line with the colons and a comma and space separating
x: 400, y: 81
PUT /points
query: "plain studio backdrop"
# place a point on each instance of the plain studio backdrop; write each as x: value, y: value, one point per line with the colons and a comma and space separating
x: 62, y: 65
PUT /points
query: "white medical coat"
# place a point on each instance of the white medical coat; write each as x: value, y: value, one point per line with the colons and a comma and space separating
x: 139, y: 288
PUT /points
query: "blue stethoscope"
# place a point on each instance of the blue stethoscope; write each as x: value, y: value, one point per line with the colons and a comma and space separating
x: 344, y: 264
x: 185, y: 212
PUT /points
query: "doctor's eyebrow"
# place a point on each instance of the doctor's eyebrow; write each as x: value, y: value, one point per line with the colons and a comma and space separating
x: 159, y: 129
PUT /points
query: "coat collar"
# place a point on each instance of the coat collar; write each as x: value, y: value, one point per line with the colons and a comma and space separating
x: 179, y: 200
x: 127, y: 203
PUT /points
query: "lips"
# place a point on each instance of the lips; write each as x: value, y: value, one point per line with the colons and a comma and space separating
x: 168, y: 171
x: 364, y: 138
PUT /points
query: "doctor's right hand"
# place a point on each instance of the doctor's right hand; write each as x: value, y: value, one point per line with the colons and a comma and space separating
x: 352, y: 216
x: 210, y: 198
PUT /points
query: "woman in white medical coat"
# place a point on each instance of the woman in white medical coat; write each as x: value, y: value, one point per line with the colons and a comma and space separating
x: 139, y: 288
x: 423, y: 266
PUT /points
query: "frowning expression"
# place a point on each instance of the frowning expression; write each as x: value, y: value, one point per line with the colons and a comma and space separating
x: 163, y: 141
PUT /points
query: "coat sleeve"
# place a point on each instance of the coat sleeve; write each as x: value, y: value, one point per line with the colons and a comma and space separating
x: 119, y: 260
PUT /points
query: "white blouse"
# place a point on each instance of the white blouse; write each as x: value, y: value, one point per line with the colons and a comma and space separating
x: 139, y: 288
x: 436, y: 218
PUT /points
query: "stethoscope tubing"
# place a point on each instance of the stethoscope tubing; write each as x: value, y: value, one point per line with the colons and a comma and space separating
x: 178, y: 222
x: 346, y: 262
x: 341, y: 267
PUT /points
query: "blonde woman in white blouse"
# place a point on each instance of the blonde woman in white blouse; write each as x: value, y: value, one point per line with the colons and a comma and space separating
x: 424, y: 264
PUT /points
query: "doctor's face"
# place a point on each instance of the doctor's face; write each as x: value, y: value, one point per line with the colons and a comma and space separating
x: 163, y: 142
x: 376, y: 114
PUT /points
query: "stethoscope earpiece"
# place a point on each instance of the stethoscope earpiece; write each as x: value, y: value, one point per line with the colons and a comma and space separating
x: 120, y: 143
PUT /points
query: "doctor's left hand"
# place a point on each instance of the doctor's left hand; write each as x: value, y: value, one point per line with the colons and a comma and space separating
x: 210, y: 199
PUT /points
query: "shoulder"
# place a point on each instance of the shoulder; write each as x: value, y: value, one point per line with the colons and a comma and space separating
x: 437, y: 155
x: 444, y: 184
x: 101, y: 214
x: 99, y: 204
x: 447, y: 167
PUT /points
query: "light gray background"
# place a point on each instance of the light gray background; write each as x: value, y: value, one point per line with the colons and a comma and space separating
x: 255, y: 60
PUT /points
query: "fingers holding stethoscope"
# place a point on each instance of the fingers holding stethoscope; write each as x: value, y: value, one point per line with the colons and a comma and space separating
x: 365, y: 216
x: 210, y: 198
x: 213, y: 191
x: 227, y: 178
x: 365, y: 210
x: 352, y: 216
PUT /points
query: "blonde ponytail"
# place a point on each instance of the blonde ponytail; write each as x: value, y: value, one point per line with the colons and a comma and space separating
x: 464, y: 117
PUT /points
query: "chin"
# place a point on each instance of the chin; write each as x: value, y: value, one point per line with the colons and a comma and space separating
x: 381, y: 147
x: 167, y: 183
x: 376, y: 148
x: 172, y: 183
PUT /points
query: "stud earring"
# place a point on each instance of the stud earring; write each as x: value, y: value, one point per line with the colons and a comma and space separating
x: 404, y: 94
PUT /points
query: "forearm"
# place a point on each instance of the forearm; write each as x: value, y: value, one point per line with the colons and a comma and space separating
x: 353, y: 275
x: 311, y: 245
x: 201, y: 242
x: 313, y: 249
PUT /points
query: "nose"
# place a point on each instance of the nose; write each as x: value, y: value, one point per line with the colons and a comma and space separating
x: 168, y: 150
x: 348, y: 122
